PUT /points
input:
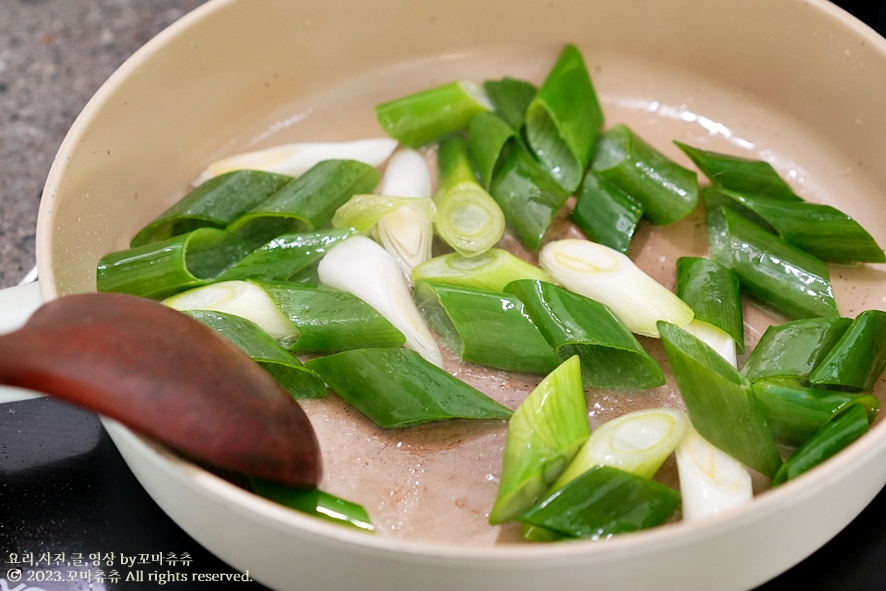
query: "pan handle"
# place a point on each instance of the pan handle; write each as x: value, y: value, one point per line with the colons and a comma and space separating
x: 16, y: 306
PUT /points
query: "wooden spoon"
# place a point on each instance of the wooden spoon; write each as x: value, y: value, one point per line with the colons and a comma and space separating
x: 167, y: 376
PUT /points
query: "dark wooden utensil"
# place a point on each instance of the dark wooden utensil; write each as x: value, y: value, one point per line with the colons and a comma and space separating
x: 167, y: 376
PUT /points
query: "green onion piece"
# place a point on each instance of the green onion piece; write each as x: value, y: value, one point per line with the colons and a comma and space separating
x: 711, y: 481
x: 820, y: 230
x: 740, y: 174
x: 712, y: 291
x: 544, y: 434
x: 215, y: 204
x: 602, y: 502
x: 331, y: 320
x: 716, y: 339
x: 315, y: 502
x: 487, y: 138
x: 421, y: 118
x: 160, y: 269
x: 667, y: 191
x: 533, y: 533
x: 286, y: 256
x: 794, y: 413
x: 794, y: 349
x: 491, y: 271
x: 528, y: 196
x: 564, y: 120
x: 578, y: 326
x: 365, y: 211
x: 858, y: 359
x: 637, y: 442
x: 246, y: 299
x: 606, y: 214
x: 834, y: 437
x: 298, y: 380
x: 472, y: 322
x: 607, y: 276
x: 511, y: 99
x: 777, y: 273
x: 718, y: 398
x: 468, y: 218
x: 307, y: 203
x: 397, y: 388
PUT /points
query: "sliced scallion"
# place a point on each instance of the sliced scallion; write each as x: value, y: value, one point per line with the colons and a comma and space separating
x: 564, y: 120
x: 717, y: 399
x: 714, y: 338
x: 360, y: 266
x: 472, y: 322
x: 298, y: 380
x: 420, y: 118
x: 396, y: 388
x: 488, y: 136
x: 315, y: 502
x: 606, y: 214
x: 307, y: 203
x: 491, y: 271
x: 160, y: 269
x: 858, y: 358
x: 362, y: 212
x: 713, y: 293
x: 667, y: 191
x: 296, y: 159
x: 511, y: 98
x: 777, y: 273
x: 794, y: 349
x: 544, y: 434
x: 607, y: 276
x: 574, y: 325
x: 213, y: 204
x: 468, y: 218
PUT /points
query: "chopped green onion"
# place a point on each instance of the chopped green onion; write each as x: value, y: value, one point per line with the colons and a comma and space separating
x: 740, y: 174
x: 564, y: 120
x: 609, y: 277
x: 777, y: 273
x: 667, y: 191
x: 794, y: 349
x: 794, y: 413
x: 714, y: 338
x: 544, y: 434
x: 491, y: 271
x: 610, y: 356
x: 713, y: 293
x: 425, y: 116
x: 468, y: 218
x: 711, y: 481
x: 360, y: 266
x: 315, y: 502
x: 637, y: 442
x: 296, y: 159
x: 511, y: 99
x: 858, y: 358
x: 286, y: 256
x: 365, y: 211
x: 213, y: 204
x: 298, y: 380
x: 307, y: 203
x: 488, y: 136
x: 396, y: 388
x: 602, y: 502
x: 241, y: 298
x: 820, y: 230
x: 408, y: 233
x: 472, y: 323
x: 160, y: 269
x: 526, y: 193
x: 606, y: 214
x: 331, y: 320
x: 717, y: 399
x: 834, y: 437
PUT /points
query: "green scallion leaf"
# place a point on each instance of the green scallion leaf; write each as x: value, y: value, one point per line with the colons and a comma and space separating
x: 487, y: 138
x: 397, y: 388
x: 858, y: 358
x: 713, y: 293
x: 315, y: 502
x: 794, y: 349
x: 606, y: 214
x: 362, y: 212
x: 491, y: 271
x: 511, y: 99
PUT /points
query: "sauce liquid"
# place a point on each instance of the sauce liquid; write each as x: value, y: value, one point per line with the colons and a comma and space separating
x: 437, y: 483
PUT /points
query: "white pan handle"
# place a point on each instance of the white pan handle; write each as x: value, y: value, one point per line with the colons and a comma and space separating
x: 16, y: 306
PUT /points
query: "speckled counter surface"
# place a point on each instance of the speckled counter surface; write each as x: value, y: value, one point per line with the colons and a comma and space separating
x: 54, y: 55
